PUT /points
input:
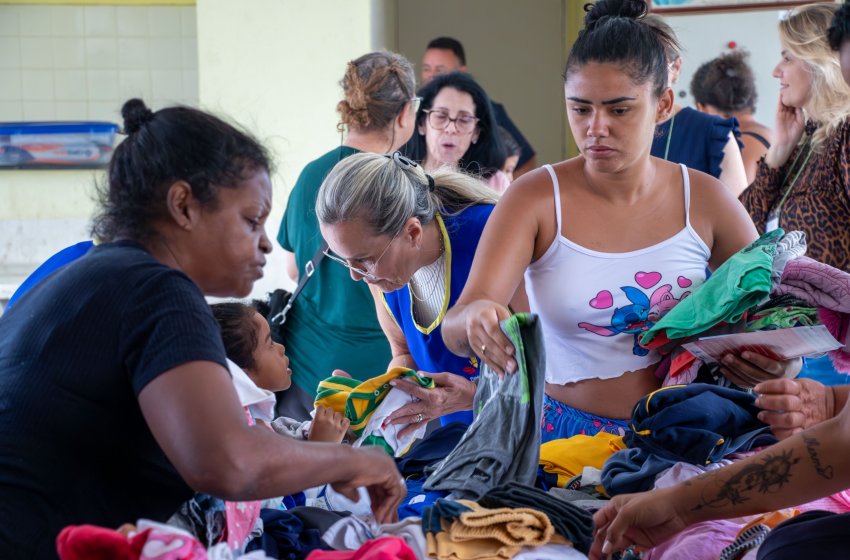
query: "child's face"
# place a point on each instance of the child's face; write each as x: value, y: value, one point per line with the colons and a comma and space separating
x: 271, y: 370
x: 510, y: 165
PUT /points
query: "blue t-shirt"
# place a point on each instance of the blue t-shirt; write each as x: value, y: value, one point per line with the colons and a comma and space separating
x: 425, y: 342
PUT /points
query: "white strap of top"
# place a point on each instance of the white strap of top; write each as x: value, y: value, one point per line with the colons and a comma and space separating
x: 687, y: 183
x: 557, y: 189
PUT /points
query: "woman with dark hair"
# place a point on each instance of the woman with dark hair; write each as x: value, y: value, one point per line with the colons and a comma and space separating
x: 333, y: 324
x: 726, y: 87
x: 116, y: 398
x: 809, y: 464
x: 456, y: 128
x: 584, y: 233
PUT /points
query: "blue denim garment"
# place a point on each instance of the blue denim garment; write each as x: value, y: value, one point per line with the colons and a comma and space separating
x: 561, y: 422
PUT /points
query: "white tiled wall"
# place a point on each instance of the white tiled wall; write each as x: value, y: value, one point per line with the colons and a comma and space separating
x: 83, y: 62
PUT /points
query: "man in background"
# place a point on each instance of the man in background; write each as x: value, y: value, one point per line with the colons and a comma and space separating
x: 444, y: 55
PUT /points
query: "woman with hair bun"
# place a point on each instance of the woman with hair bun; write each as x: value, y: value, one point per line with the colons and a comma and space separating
x: 333, y: 323
x: 595, y: 236
x: 116, y: 399
x: 726, y: 87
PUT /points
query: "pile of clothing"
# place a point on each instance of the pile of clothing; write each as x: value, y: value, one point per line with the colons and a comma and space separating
x: 768, y: 285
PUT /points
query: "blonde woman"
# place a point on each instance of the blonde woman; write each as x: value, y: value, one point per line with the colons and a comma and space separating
x: 803, y: 183
x: 333, y: 323
x: 411, y: 236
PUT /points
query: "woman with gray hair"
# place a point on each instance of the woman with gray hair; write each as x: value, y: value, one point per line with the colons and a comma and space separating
x: 333, y: 323
x: 411, y: 237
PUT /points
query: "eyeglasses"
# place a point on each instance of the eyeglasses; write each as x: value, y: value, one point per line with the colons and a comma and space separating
x: 439, y: 120
x: 415, y: 102
x: 367, y: 273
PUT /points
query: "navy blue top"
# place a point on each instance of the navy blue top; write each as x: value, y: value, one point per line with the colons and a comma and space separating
x: 698, y: 140
x: 502, y: 118
x: 425, y: 342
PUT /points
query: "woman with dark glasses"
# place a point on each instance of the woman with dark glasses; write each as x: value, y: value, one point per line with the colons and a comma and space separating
x: 456, y: 128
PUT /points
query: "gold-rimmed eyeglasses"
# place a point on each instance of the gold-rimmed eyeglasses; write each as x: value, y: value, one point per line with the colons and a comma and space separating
x: 365, y: 272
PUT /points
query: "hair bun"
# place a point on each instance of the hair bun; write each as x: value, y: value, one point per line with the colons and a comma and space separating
x: 135, y: 114
x: 633, y: 9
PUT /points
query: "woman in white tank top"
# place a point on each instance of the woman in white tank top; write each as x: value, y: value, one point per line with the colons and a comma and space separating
x: 607, y: 241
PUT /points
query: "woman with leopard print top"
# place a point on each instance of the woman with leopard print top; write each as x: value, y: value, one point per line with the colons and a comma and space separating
x: 803, y: 183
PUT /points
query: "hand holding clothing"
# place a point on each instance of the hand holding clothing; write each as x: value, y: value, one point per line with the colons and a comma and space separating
x: 485, y: 337
x: 752, y: 368
x: 646, y: 520
x: 377, y: 472
x: 792, y: 405
x: 452, y: 393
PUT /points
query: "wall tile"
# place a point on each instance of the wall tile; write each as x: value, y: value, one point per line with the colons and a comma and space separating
x: 167, y: 84
x: 102, y: 84
x: 37, y: 85
x: 101, y: 53
x: 11, y: 111
x: 34, y: 21
x: 76, y: 62
x: 71, y: 85
x: 67, y: 21
x: 36, y: 52
x: 104, y: 111
x: 166, y: 53
x: 11, y: 49
x: 133, y: 53
x: 10, y: 85
x: 164, y: 21
x: 189, y: 21
x: 100, y: 21
x: 189, y: 48
x: 69, y: 52
x: 71, y: 110
x: 39, y: 110
x: 134, y: 83
x: 190, y: 86
x: 9, y: 21
x: 132, y: 21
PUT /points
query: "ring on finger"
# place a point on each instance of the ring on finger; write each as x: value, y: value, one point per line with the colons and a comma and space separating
x: 419, y: 417
x: 483, y: 349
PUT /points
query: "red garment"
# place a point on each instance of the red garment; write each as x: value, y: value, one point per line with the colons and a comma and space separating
x: 88, y: 542
x: 681, y: 363
x: 386, y: 548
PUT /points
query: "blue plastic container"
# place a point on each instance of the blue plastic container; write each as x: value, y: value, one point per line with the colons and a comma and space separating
x: 56, y: 144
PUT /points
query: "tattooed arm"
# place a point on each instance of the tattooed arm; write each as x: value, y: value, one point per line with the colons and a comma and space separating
x: 804, y: 467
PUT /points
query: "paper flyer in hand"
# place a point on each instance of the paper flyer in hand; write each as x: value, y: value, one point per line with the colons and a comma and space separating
x: 780, y: 344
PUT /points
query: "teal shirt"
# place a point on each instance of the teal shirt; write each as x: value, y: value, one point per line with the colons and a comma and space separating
x: 333, y: 324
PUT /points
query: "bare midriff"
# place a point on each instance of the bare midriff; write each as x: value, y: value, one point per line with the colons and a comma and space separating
x: 609, y: 398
